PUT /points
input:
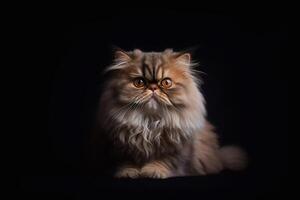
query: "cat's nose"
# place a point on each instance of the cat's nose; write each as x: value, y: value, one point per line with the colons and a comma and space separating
x: 153, y: 87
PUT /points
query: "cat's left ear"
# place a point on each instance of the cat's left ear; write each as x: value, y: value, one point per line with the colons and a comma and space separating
x: 184, y: 58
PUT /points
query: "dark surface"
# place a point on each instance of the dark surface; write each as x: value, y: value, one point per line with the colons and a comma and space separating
x: 242, y: 52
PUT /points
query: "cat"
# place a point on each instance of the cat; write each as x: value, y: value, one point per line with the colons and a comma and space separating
x: 153, y: 113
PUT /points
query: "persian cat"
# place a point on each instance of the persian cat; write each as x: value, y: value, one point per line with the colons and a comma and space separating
x: 153, y: 113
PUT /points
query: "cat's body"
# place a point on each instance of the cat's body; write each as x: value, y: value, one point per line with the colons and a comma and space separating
x: 154, y: 116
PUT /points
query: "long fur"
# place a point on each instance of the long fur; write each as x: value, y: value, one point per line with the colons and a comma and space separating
x: 165, y: 137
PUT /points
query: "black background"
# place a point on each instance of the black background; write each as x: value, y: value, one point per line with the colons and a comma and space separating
x: 242, y: 52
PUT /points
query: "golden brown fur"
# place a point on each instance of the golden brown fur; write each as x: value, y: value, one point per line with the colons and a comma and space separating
x: 153, y: 113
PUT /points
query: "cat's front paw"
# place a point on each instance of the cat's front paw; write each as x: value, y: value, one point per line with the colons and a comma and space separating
x: 155, y: 170
x: 127, y: 172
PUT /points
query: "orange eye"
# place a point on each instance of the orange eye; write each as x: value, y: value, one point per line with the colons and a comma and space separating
x: 166, y: 83
x: 139, y: 82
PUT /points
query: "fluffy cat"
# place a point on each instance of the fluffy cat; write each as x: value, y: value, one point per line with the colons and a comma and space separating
x: 153, y: 113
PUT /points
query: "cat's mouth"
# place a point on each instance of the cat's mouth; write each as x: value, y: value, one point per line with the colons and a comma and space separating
x: 154, y: 96
x: 152, y: 102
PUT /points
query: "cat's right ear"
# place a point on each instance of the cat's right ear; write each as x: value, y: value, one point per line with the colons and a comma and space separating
x: 121, y: 58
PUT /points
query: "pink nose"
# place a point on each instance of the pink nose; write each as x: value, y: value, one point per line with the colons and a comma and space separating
x: 152, y: 87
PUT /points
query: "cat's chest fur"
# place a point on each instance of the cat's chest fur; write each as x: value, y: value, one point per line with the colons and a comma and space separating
x: 149, y: 138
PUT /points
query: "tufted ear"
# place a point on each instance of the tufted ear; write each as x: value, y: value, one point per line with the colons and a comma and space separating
x: 121, y: 56
x: 184, y: 58
x: 121, y: 59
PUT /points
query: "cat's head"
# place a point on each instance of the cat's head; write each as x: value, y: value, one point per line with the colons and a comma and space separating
x: 154, y: 81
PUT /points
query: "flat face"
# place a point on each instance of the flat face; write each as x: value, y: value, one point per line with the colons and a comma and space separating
x: 153, y: 78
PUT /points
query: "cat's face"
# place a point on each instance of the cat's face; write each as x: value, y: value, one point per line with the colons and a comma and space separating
x: 152, y: 81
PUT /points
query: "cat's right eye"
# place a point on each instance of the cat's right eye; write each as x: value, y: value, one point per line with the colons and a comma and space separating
x: 139, y: 82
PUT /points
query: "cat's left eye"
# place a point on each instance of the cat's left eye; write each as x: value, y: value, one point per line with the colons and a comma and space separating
x: 166, y: 83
